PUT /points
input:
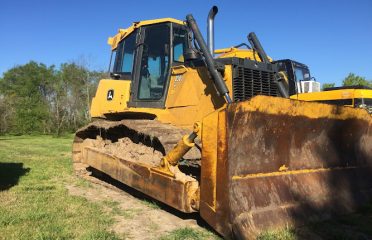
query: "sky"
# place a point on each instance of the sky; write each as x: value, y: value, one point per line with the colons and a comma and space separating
x: 333, y: 37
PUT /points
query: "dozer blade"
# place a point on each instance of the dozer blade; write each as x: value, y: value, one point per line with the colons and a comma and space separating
x: 285, y: 163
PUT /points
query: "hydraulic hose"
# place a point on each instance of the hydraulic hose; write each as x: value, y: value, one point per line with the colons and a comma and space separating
x: 256, y: 45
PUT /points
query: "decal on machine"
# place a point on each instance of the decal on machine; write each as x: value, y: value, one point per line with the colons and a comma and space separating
x: 110, y: 94
x: 178, y: 78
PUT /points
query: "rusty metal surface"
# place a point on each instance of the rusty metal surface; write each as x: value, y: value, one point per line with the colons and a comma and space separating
x: 272, y: 202
x: 271, y: 141
x: 286, y: 169
x: 283, y: 163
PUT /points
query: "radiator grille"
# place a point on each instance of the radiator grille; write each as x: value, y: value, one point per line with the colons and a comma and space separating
x: 251, y: 82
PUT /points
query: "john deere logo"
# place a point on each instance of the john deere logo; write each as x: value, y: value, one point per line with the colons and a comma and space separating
x: 110, y: 95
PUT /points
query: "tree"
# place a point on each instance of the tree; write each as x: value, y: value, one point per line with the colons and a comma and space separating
x: 6, y: 114
x: 73, y: 89
x: 26, y: 87
x: 58, y: 105
x: 37, y: 98
x: 81, y: 86
x: 328, y: 85
x: 355, y: 80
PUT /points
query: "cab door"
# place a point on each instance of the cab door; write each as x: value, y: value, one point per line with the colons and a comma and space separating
x: 152, y: 67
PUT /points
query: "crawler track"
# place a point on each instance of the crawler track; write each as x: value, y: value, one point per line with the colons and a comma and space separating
x: 151, y: 133
x: 130, y: 151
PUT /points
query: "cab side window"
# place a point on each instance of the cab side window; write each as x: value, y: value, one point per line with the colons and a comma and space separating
x: 125, y: 56
x: 179, y: 42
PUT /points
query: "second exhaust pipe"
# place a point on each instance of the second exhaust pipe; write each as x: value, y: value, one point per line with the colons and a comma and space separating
x: 210, y: 29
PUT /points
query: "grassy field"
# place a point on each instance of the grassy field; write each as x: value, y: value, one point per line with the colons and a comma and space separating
x: 35, y: 204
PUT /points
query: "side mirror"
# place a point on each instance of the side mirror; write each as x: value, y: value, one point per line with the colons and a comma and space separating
x: 115, y: 76
x: 191, y: 54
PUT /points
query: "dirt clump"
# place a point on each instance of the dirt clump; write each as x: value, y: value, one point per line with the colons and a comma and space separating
x: 180, y: 176
x: 126, y: 149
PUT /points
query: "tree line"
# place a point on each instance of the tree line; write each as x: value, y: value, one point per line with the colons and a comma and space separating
x: 351, y: 80
x: 36, y: 98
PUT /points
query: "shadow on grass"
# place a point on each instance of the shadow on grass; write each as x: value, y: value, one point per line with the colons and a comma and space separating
x: 10, y: 174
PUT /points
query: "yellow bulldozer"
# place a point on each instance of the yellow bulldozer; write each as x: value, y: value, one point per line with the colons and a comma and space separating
x: 358, y: 96
x: 301, y: 86
x: 219, y: 135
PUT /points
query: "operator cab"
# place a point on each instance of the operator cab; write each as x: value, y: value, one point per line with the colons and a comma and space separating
x: 145, y: 57
x: 298, y: 75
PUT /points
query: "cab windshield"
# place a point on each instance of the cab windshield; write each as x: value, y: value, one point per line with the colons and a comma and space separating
x: 363, y: 103
x: 301, y: 74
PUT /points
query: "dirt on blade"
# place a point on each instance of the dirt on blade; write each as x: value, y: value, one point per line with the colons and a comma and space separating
x: 125, y: 148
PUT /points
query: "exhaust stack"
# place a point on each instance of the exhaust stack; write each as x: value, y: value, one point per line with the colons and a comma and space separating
x: 210, y: 29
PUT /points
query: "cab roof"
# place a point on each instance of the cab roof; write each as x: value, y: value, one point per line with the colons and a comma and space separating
x: 122, y: 33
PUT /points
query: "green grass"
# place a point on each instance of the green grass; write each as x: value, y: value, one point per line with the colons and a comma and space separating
x: 151, y: 204
x: 34, y: 203
x: 115, y: 209
x: 285, y: 234
x: 189, y: 234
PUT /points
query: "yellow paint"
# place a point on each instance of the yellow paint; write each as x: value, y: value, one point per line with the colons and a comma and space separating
x: 362, y: 93
x: 191, y: 96
x: 293, y: 172
x: 284, y: 76
x: 182, y: 147
x: 100, y: 103
x: 281, y: 106
x: 334, y: 95
x: 209, y: 159
x: 283, y: 168
x: 122, y: 33
x: 237, y: 52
